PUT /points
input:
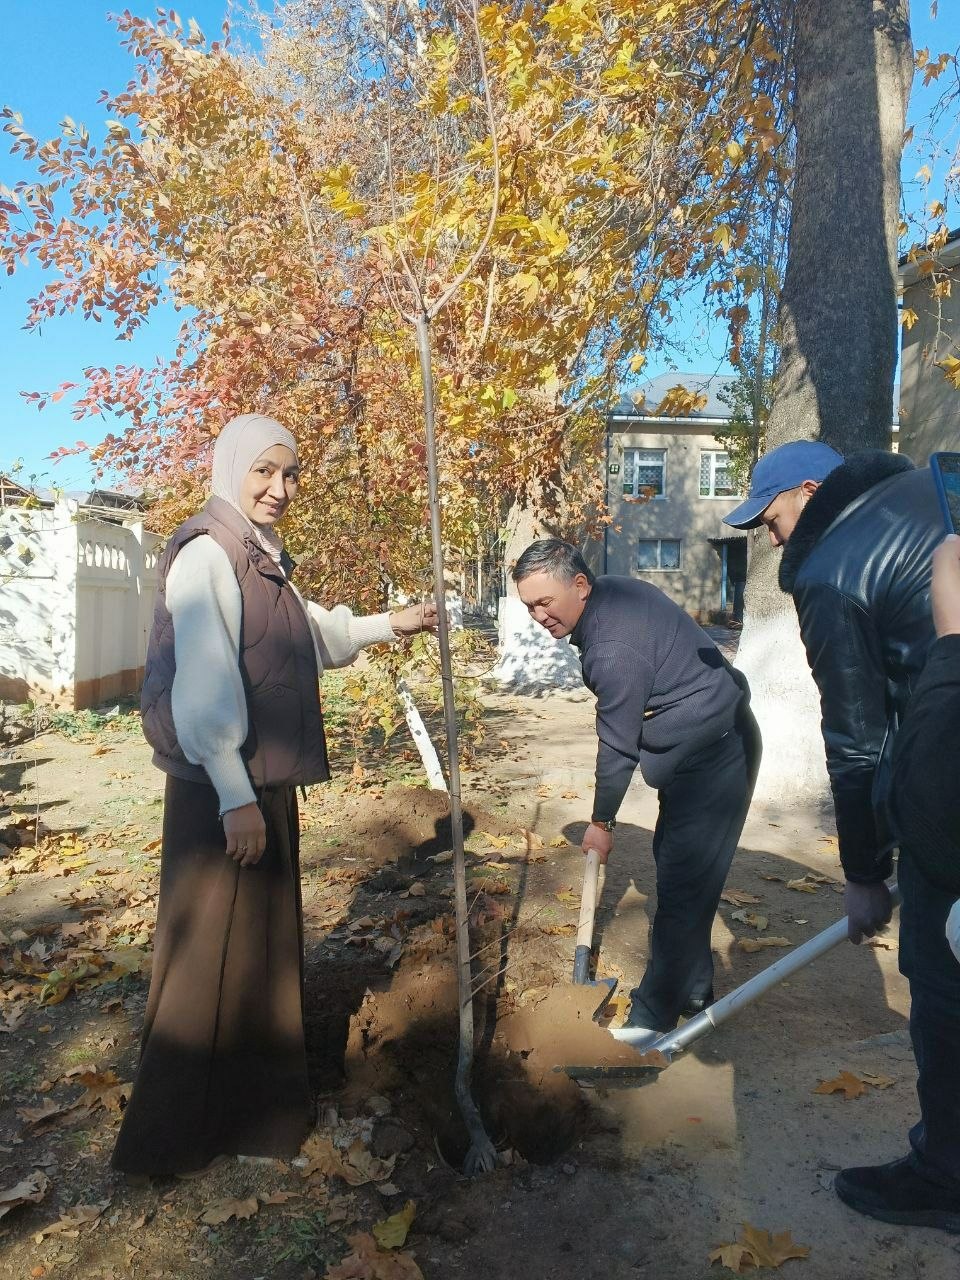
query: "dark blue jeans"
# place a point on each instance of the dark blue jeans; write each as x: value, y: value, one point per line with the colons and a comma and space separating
x: 934, y: 975
x: 702, y: 812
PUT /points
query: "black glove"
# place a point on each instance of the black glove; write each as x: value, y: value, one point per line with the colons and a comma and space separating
x: 869, y: 908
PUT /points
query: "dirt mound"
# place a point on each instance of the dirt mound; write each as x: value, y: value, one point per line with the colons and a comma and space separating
x: 405, y: 824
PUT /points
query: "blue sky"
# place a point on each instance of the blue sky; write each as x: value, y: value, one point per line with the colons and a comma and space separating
x: 55, y: 62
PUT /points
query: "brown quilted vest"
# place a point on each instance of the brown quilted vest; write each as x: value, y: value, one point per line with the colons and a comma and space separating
x: 285, y: 744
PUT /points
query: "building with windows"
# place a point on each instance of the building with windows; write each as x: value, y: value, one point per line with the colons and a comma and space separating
x: 668, y: 487
x: 929, y: 349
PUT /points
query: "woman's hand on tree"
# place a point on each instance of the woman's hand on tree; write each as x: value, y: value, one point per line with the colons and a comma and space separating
x: 415, y: 618
x: 246, y: 834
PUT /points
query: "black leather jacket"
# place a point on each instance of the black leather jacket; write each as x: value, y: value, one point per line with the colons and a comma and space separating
x: 858, y: 567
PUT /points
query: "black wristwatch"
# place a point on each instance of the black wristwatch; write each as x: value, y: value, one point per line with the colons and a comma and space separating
x: 605, y: 824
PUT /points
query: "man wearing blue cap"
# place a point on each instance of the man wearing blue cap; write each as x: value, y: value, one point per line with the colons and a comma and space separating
x: 857, y: 538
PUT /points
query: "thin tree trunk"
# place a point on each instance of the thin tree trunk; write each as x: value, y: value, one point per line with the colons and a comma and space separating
x: 838, y: 324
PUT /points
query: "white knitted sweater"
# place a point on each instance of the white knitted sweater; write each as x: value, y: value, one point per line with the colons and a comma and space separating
x: 208, y: 701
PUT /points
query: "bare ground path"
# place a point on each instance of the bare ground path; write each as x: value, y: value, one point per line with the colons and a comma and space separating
x: 615, y: 1182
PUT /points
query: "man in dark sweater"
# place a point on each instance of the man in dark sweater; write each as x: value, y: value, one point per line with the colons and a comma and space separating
x: 668, y: 701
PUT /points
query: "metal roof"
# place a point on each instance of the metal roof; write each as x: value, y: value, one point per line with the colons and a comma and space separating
x: 641, y: 401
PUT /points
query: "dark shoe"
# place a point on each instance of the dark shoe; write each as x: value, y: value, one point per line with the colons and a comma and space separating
x: 896, y: 1193
x: 697, y: 1004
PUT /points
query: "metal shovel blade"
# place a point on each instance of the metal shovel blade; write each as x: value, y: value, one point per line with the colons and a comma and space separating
x: 727, y: 1007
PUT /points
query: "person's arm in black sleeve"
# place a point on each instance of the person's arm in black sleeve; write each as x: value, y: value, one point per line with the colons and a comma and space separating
x: 926, y: 767
x: 622, y: 681
x: 843, y: 650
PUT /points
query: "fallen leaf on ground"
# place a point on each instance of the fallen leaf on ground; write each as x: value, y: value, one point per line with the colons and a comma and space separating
x: 852, y: 1086
x: 878, y: 1082
x: 103, y: 1089
x: 71, y: 1222
x: 417, y: 889
x: 765, y: 875
x: 757, y: 1248
x: 802, y: 885
x: 441, y: 858
x: 739, y: 897
x: 772, y: 1250
x: 498, y: 842
x: 281, y: 1197
x: 30, y: 1191
x: 392, y: 1232
x: 757, y: 944
x: 356, y: 1166
x: 48, y: 1110
x: 750, y: 917
x: 846, y: 1082
x: 880, y: 944
x: 367, y: 1262
x: 220, y: 1211
x: 551, y: 930
x: 567, y: 897
x: 559, y: 842
x: 570, y: 795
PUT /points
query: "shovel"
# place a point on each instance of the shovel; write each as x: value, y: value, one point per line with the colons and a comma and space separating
x: 581, y: 955
x: 727, y: 1007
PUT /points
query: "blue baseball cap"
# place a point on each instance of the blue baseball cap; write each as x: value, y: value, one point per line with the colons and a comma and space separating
x: 785, y: 467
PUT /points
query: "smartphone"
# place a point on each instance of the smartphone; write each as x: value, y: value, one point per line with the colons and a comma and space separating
x: 946, y: 478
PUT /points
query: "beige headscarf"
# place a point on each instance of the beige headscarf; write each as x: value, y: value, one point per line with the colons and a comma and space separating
x: 238, y: 446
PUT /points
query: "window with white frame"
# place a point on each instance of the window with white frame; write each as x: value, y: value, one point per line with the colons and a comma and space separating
x: 716, y: 477
x: 658, y: 554
x: 644, y: 473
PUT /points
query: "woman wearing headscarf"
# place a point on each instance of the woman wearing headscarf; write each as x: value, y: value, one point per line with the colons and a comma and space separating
x: 231, y: 707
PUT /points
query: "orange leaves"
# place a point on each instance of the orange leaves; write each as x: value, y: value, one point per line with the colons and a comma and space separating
x: 854, y: 1086
x: 368, y: 1262
x: 758, y: 1248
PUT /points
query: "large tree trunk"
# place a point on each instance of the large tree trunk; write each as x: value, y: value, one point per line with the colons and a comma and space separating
x: 838, y: 317
x: 531, y: 661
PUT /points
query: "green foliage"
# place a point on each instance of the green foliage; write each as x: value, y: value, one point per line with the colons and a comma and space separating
x: 122, y: 719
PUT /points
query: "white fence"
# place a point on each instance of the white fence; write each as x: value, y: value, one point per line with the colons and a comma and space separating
x: 76, y: 601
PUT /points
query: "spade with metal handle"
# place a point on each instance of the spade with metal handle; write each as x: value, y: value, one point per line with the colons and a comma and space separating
x: 727, y: 1007
x: 588, y: 909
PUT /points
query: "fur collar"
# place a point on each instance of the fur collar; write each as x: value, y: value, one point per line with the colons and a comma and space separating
x: 860, y: 472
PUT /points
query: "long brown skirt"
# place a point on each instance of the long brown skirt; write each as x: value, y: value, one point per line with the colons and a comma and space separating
x: 223, y: 1068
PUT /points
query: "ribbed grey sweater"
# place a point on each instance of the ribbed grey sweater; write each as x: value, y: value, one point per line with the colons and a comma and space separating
x: 663, y: 688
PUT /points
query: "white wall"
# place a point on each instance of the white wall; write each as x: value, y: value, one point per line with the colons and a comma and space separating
x: 74, y: 619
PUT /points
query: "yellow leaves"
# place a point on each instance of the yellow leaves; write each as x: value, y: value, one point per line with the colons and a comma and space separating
x: 759, y: 944
x: 854, y: 1086
x: 735, y: 152
x: 908, y: 318
x: 680, y: 402
x: 751, y: 918
x: 951, y: 370
x: 723, y: 237
x: 392, y: 1232
x: 527, y: 285
x: 221, y: 1211
x: 758, y: 1248
x: 552, y: 235
x: 568, y: 897
x: 739, y: 897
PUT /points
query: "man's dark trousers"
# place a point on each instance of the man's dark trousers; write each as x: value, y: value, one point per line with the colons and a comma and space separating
x: 702, y: 812
x: 934, y: 975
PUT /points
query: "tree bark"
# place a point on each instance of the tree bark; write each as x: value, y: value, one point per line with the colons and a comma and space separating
x: 838, y: 323
x: 530, y: 661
